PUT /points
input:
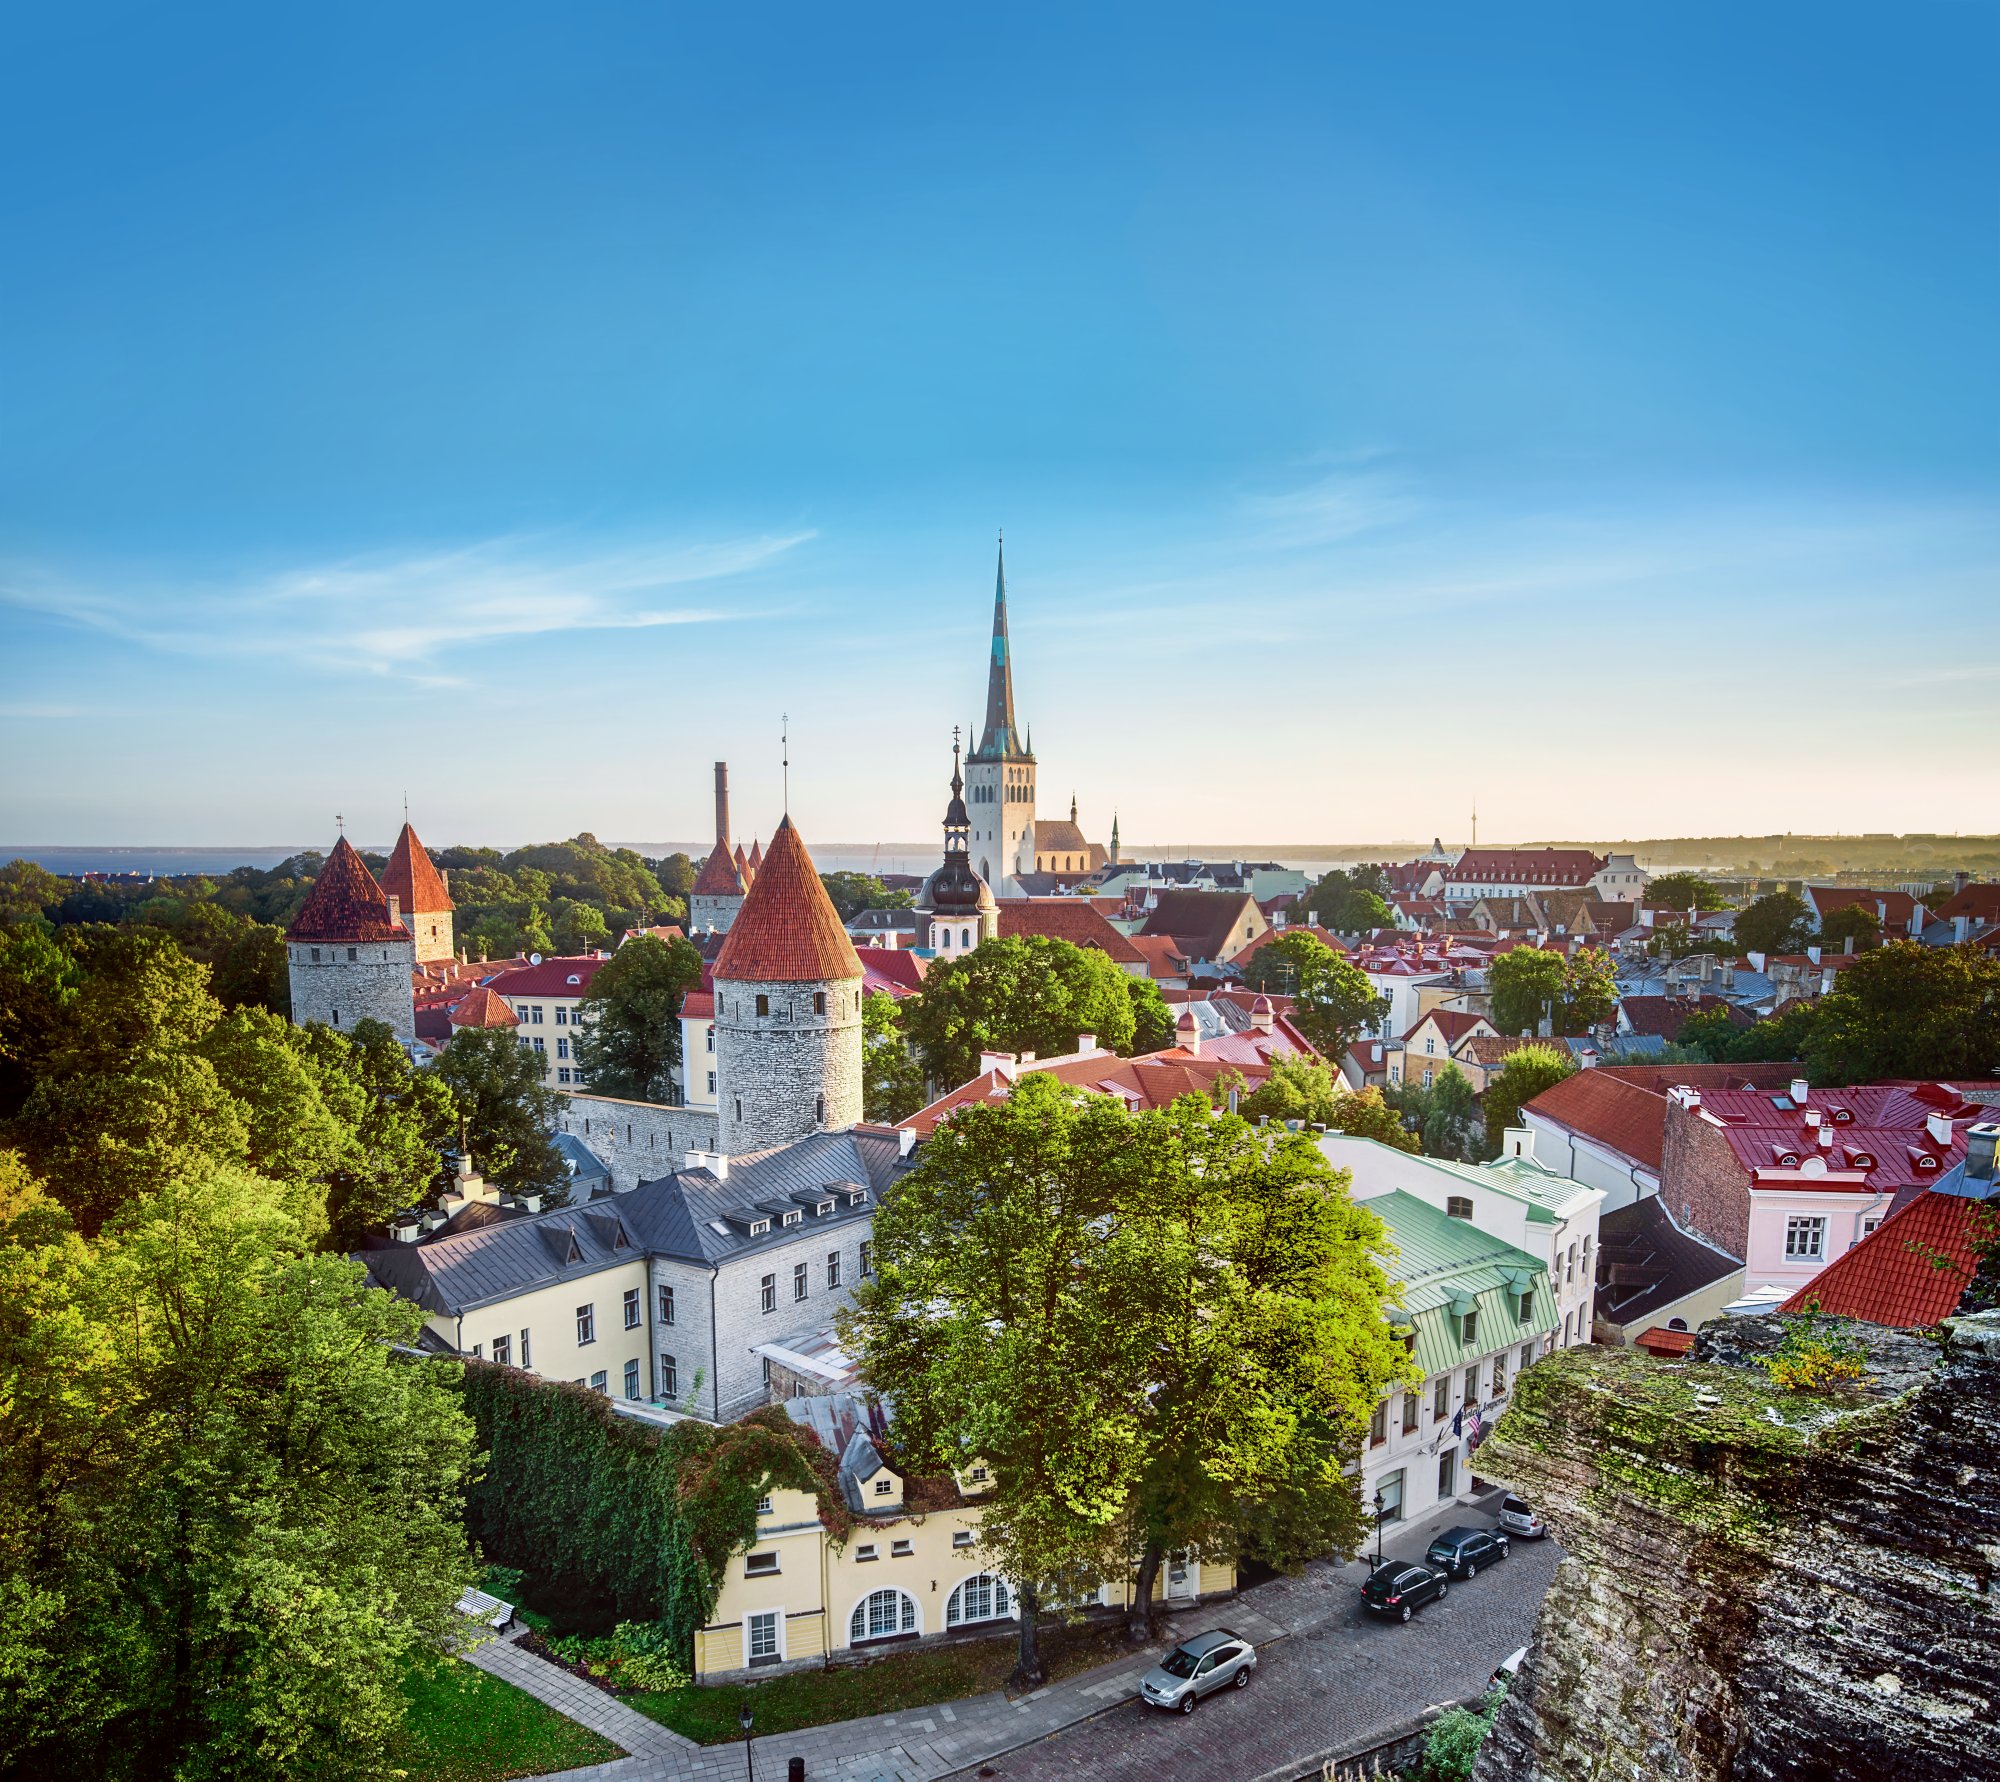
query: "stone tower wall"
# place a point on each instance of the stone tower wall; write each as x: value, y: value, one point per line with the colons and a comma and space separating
x: 772, y: 1068
x: 706, y: 912
x: 336, y: 990
x: 431, y: 934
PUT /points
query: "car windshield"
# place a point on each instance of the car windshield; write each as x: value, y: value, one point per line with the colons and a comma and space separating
x: 1514, y: 1506
x: 1180, y: 1662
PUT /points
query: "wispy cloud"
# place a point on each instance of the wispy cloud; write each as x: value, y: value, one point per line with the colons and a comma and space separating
x: 396, y: 614
x: 1341, y: 502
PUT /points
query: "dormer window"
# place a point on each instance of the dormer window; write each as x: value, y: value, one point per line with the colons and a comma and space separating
x: 1458, y: 1206
x: 883, y: 1487
x: 793, y: 1218
x: 857, y: 1197
x: 759, y: 1226
x: 823, y: 1208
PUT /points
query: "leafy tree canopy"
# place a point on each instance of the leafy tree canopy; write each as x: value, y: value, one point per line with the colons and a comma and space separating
x: 1685, y: 891
x: 506, y: 1110
x: 630, y: 1045
x: 26, y: 890
x: 1351, y: 901
x: 1777, y: 922
x: 1853, y: 922
x: 1777, y: 1039
x: 1307, y: 1090
x: 1907, y: 1010
x: 853, y: 892
x: 1444, y: 1113
x: 1332, y: 1000
x: 1525, y: 1074
x: 892, y: 1081
x: 1575, y: 993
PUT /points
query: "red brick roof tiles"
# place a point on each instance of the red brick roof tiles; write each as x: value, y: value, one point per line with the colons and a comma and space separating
x: 719, y: 876
x: 345, y: 903
x: 1524, y: 866
x: 1154, y: 1081
x: 553, y: 977
x: 1908, y: 1272
x: 412, y: 880
x: 787, y: 931
x: 1073, y: 919
x: 483, y: 1008
x: 1620, y: 1116
x: 1661, y: 1341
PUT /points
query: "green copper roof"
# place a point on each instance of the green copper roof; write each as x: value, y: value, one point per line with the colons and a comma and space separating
x: 1448, y: 1267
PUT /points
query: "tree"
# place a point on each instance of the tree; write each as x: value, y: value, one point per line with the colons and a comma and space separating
x: 1443, y: 1113
x: 1278, y: 966
x: 1853, y: 922
x: 1684, y: 891
x: 1525, y: 1074
x: 1152, y: 1020
x: 1777, y: 1039
x: 853, y: 892
x: 676, y: 875
x: 892, y: 1081
x: 1333, y: 1002
x: 26, y: 890
x: 1777, y: 922
x: 231, y: 1508
x: 1531, y: 983
x: 577, y: 927
x: 1306, y: 1090
x: 1351, y: 902
x: 1016, y: 993
x: 630, y: 1045
x: 1907, y: 1010
x: 506, y: 1109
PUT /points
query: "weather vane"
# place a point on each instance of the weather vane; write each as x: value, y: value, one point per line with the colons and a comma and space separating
x: 340, y: 822
x: 785, y: 755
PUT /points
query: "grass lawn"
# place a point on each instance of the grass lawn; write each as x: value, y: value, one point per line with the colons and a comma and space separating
x: 885, y: 1686
x: 464, y: 1726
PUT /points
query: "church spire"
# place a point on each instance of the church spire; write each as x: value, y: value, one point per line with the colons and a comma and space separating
x: 1000, y: 738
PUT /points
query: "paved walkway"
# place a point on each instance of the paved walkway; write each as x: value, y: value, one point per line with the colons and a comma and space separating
x: 926, y: 1744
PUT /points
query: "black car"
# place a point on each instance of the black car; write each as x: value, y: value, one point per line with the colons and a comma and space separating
x: 1398, y: 1587
x: 1462, y: 1551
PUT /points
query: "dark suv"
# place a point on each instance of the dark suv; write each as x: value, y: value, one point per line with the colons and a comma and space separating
x: 1462, y: 1551
x: 1398, y: 1587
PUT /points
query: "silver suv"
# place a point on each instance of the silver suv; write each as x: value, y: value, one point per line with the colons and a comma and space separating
x: 1196, y: 1668
x: 1518, y: 1519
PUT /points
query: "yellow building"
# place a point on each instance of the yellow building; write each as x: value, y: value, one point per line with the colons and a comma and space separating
x: 798, y: 1596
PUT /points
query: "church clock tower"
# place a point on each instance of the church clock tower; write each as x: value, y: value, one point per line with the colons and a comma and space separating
x: 1000, y: 772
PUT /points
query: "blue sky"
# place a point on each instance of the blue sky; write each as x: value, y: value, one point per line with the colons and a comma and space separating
x: 1588, y: 409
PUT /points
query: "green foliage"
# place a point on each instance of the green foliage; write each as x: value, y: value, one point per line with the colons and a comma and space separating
x: 1777, y: 922
x: 1332, y: 1000
x: 1853, y: 922
x: 1525, y: 1074
x: 584, y: 1500
x: 462, y: 1725
x: 1455, y: 1736
x: 1685, y: 891
x: 245, y: 957
x: 229, y: 1511
x: 631, y: 1043
x: 26, y: 890
x: 1777, y: 1039
x: 892, y: 1081
x: 1574, y: 993
x: 1445, y: 1115
x: 853, y: 892
x: 1817, y: 1354
x: 1307, y: 1090
x: 1351, y: 901
x: 507, y: 1110
x: 1152, y: 1020
x: 1907, y: 1010
x: 1016, y: 993
x: 675, y: 875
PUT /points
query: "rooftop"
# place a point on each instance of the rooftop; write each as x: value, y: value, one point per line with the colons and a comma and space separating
x: 345, y: 903
x: 1645, y: 1262
x: 787, y: 931
x: 412, y: 879
x: 1909, y: 1272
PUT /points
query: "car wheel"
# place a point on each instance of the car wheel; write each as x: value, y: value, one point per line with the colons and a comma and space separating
x: 1471, y: 1571
x: 1405, y: 1615
x: 1444, y: 1589
x: 1187, y: 1702
x: 1242, y: 1678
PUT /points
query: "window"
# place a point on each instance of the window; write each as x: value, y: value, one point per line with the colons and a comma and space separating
x: 1472, y: 1385
x: 819, y: 1002
x: 560, y: 1016
x: 832, y: 1269
x: 1868, y: 1225
x: 586, y: 1324
x: 1527, y: 1305
x: 977, y: 1476
x: 336, y: 1017
x: 819, y: 1109
x: 792, y: 1218
x: 739, y: 1107
x: 1468, y: 1326
x: 1458, y: 1206
x: 1430, y: 1045
x: 711, y: 1082
x: 867, y: 1259
x: 884, y: 1486
x: 767, y: 1364
x: 670, y: 1376
x: 535, y: 1015
x: 982, y: 1597
x: 881, y: 1615
x: 315, y: 955
x: 631, y: 1308
x: 1441, y: 1396
x: 760, y: 1565
x: 763, y: 1005
x: 1499, y: 1376
x: 562, y: 1075
x: 1570, y: 1275
x: 800, y: 1285
x: 763, y: 1645
x: 502, y: 1350
x: 562, y: 1045
x: 710, y: 1037
x: 476, y: 1348
x: 1390, y: 1491
x: 1428, y: 1074
x: 767, y: 1290
x: 759, y: 1226
x: 866, y: 1552
x: 961, y: 1537
x: 1805, y: 1237
x: 541, y: 1047
x: 1410, y: 1412
x: 666, y: 1305
x: 763, y: 1506
x: 525, y: 1362
x: 632, y: 1379
x: 1378, y: 1425
x: 351, y: 955
x: 600, y: 1382
x: 900, y: 1549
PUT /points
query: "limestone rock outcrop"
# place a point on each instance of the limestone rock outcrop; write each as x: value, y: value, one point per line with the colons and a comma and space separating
x: 1760, y: 1585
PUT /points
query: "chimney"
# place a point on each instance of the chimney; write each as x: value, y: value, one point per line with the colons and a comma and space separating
x: 530, y: 1202
x: 715, y: 1162
x: 395, y: 909
x: 1706, y: 966
x: 407, y: 1229
x: 1812, y: 953
x: 1813, y: 1117
x: 1086, y: 1042
x: 1979, y: 1148
x: 1801, y: 1089
x: 1961, y: 928
x: 1960, y: 879
x: 722, y: 801
x: 1826, y: 1138
x: 906, y: 1141
x: 1729, y: 974
x: 1938, y: 1126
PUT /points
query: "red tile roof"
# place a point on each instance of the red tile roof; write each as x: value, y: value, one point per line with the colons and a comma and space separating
x: 345, y: 903
x: 787, y: 931
x: 1156, y: 1080
x: 1073, y: 919
x: 1980, y: 902
x: 412, y: 880
x: 553, y: 977
x: 719, y: 876
x: 1661, y: 1341
x: 483, y: 1008
x: 1163, y: 958
x: 1325, y: 936
x: 1524, y: 866
x: 1665, y: 1016
x: 1908, y: 1272
x: 1880, y: 1139
x: 1620, y: 1116
x: 1454, y: 1024
x: 1893, y: 907
x: 896, y: 971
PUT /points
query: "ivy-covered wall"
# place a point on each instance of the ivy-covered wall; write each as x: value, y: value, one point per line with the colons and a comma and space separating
x: 573, y: 1494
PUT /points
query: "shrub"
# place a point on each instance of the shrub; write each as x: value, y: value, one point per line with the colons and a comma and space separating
x: 1817, y: 1354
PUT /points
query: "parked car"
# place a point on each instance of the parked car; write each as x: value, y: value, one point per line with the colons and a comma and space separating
x: 1462, y: 1551
x: 1397, y: 1588
x: 1509, y: 1669
x: 1517, y: 1519
x: 1198, y: 1667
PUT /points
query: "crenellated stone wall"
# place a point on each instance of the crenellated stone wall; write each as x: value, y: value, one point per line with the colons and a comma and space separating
x: 1760, y: 1585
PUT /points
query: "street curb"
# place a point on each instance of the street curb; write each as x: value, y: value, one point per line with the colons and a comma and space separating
x: 1311, y: 1769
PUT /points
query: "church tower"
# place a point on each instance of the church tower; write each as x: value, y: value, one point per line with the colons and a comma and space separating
x: 956, y: 909
x: 1000, y: 772
x: 422, y: 896
x: 787, y: 1010
x: 350, y: 957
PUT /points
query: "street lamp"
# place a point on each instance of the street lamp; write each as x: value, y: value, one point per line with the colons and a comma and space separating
x: 746, y: 1719
x: 1380, y: 1506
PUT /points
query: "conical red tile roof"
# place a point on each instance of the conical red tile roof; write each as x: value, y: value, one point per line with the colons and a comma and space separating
x: 345, y: 903
x: 412, y: 880
x: 483, y: 1009
x: 787, y: 930
x: 718, y: 876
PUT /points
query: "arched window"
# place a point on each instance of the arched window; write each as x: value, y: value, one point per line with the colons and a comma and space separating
x: 882, y: 1615
x: 980, y: 1598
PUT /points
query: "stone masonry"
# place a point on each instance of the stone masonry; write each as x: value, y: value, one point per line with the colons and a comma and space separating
x: 338, y: 984
x: 637, y: 1140
x: 1702, y: 1182
x: 788, y: 1060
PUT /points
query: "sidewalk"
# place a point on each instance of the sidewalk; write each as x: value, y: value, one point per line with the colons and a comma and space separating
x: 926, y: 1744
